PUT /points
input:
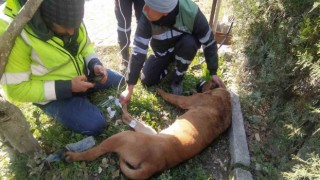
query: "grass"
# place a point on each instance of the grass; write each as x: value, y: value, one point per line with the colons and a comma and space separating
x: 145, y: 105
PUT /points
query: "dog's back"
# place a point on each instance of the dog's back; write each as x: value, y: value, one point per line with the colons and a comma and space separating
x: 204, y: 121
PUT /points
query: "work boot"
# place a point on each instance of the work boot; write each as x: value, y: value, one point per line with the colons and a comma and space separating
x: 177, y: 88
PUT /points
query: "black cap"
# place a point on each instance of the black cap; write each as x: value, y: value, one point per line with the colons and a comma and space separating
x: 67, y: 13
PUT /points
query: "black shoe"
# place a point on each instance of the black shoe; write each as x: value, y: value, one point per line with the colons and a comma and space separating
x: 177, y: 88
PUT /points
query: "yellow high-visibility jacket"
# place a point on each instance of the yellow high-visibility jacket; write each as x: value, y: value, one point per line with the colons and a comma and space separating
x: 39, y: 68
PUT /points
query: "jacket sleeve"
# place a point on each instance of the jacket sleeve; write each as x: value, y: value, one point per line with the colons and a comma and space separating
x: 16, y: 82
x: 89, y: 54
x: 204, y: 34
x: 139, y: 50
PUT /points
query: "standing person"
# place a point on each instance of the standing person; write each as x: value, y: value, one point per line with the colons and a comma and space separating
x: 52, y: 62
x: 176, y: 29
x: 123, y: 11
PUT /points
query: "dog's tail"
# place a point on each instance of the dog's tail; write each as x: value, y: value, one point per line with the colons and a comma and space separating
x: 134, y: 173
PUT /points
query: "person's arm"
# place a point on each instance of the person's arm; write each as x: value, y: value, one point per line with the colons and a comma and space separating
x: 125, y: 96
x: 93, y: 64
x: 139, y: 54
x: 205, y: 35
x: 139, y: 50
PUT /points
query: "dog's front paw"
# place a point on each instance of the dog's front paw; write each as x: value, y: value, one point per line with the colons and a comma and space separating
x: 70, y: 156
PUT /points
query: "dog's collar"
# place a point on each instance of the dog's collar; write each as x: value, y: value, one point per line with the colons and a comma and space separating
x: 202, y: 83
x: 199, y: 86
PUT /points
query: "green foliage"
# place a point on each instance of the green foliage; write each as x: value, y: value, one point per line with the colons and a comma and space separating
x: 305, y: 169
x: 278, y: 42
x: 308, y: 48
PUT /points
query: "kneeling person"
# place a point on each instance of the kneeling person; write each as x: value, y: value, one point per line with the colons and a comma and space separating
x: 176, y: 29
x: 51, y: 62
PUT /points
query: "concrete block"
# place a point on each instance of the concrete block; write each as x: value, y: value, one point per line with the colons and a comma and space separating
x: 240, y: 174
x: 238, y: 141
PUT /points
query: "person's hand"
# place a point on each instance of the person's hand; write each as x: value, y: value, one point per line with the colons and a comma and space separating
x: 218, y: 81
x: 80, y: 84
x: 100, y: 71
x: 125, y: 96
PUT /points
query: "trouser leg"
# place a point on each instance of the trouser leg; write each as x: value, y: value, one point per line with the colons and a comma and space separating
x: 78, y: 113
x: 123, y: 12
x: 185, y: 50
x: 155, y: 68
x: 138, y: 6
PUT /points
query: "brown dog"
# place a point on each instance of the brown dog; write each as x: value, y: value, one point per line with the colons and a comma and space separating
x: 144, y: 153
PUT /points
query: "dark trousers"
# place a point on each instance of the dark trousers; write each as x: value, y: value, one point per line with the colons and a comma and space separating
x: 156, y: 66
x: 123, y: 11
x: 78, y: 113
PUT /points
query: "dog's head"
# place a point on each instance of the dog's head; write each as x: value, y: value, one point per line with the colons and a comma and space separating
x: 204, y: 86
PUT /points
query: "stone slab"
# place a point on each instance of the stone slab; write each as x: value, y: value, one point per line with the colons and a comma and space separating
x: 238, y: 141
x: 241, y: 174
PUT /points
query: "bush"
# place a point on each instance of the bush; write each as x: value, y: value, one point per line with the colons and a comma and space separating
x: 277, y: 43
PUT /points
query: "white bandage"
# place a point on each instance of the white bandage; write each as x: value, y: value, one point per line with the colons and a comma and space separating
x: 133, y: 123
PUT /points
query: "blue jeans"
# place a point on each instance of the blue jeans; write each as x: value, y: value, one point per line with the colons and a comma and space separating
x: 78, y: 113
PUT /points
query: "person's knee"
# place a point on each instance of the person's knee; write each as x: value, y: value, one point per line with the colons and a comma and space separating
x: 96, y: 127
x: 148, y: 76
x: 188, y: 43
x: 148, y: 79
x: 94, y: 123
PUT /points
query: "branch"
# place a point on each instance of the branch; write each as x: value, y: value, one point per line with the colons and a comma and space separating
x: 9, y: 36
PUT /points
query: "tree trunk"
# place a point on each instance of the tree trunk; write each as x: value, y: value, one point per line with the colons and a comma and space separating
x: 15, y: 128
x: 13, y: 125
